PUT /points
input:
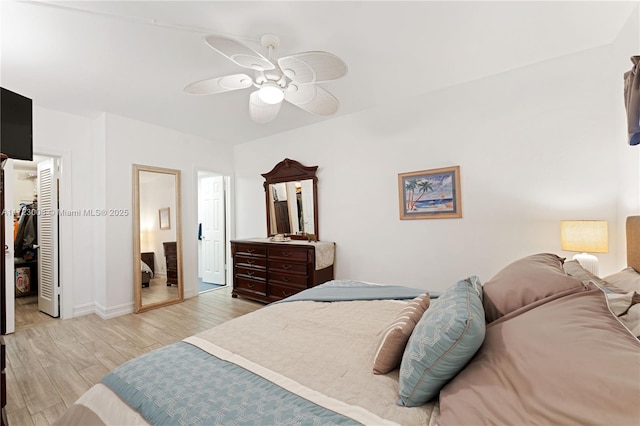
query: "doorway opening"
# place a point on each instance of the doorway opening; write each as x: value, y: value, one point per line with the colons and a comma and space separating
x: 213, y: 205
x: 32, y: 262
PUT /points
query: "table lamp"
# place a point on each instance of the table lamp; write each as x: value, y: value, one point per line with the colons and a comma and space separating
x: 585, y: 236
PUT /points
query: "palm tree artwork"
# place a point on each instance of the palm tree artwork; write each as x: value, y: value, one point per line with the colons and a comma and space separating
x: 423, y: 186
x: 430, y: 193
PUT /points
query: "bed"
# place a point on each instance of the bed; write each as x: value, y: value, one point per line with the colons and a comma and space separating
x: 542, y: 342
x: 147, y: 263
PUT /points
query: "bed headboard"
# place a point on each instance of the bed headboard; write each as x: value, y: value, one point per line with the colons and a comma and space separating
x: 633, y: 242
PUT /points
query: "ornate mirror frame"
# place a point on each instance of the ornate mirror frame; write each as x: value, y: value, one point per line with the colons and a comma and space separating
x: 139, y: 306
x: 291, y: 171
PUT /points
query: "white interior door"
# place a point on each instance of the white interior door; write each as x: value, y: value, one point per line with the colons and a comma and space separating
x: 48, y: 289
x: 213, y: 230
x: 10, y: 288
x: 307, y: 206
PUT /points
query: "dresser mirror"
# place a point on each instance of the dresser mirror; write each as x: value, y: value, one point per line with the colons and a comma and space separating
x: 292, y: 200
x: 157, y: 246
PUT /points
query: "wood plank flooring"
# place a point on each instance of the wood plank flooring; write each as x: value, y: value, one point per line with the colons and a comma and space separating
x: 51, y: 362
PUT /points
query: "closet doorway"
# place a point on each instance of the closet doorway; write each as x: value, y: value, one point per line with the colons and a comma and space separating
x: 212, y: 230
x: 33, y: 202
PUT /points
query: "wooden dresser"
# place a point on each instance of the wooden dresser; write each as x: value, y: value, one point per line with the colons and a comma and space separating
x: 171, y: 257
x: 268, y: 271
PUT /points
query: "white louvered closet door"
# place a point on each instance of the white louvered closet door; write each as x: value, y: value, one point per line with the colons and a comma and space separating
x: 48, y: 289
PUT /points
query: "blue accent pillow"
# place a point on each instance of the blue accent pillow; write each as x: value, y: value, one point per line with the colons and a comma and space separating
x: 444, y: 340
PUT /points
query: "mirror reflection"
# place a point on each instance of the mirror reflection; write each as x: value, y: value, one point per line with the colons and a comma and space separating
x: 291, y: 207
x: 157, y: 257
x: 292, y: 200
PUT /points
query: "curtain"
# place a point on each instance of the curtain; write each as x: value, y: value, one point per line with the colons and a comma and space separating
x: 632, y: 100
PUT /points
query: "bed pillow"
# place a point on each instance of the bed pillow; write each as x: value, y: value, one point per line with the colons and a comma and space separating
x: 575, y: 269
x: 526, y: 281
x: 620, y: 303
x: 631, y: 319
x: 443, y: 341
x: 626, y: 280
x: 395, y: 337
x: 568, y: 361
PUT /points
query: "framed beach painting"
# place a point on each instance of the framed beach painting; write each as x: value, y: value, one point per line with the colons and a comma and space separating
x: 430, y: 194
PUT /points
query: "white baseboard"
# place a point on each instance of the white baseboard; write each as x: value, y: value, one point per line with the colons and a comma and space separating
x: 115, y: 311
x: 82, y: 310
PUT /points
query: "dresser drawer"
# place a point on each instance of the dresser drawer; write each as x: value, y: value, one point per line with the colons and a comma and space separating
x: 172, y: 273
x: 251, y: 262
x: 288, y: 279
x: 254, y: 274
x: 292, y: 253
x: 287, y: 267
x: 250, y: 286
x: 250, y: 250
x: 278, y: 292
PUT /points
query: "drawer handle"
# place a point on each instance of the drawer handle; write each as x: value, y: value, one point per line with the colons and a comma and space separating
x: 250, y: 251
x: 286, y: 267
x: 286, y: 253
x: 250, y: 273
x: 250, y: 285
x: 251, y: 262
x: 286, y: 279
x: 286, y: 294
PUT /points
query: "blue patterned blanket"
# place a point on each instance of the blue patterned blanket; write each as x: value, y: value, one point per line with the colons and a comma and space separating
x: 345, y: 290
x: 182, y: 384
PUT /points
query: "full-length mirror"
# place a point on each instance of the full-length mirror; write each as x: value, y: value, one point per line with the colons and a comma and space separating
x: 157, y: 247
x: 291, y: 197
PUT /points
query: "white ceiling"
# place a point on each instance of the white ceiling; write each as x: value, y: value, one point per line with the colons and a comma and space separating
x: 134, y: 58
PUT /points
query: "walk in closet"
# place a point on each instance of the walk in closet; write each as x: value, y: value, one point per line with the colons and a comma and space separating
x: 25, y: 228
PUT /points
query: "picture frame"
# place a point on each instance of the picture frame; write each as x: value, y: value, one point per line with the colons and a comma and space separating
x: 164, y: 216
x: 430, y: 194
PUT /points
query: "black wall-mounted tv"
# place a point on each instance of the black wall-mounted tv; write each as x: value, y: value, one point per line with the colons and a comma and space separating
x: 16, y: 125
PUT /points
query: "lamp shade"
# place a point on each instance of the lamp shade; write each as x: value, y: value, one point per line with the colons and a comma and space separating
x: 590, y: 236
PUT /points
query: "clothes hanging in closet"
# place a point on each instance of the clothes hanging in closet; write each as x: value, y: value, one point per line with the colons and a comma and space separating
x: 27, y: 231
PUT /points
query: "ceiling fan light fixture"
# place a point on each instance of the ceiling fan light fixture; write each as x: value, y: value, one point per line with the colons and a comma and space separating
x: 271, y: 94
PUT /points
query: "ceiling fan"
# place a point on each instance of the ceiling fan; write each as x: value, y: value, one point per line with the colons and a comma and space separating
x: 291, y: 78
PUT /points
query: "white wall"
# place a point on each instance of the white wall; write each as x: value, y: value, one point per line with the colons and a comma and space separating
x: 535, y: 145
x: 624, y: 46
x: 97, y: 156
x: 131, y: 142
x: 73, y: 139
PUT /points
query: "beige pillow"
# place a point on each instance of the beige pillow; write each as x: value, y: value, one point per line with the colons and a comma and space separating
x: 568, y: 361
x: 626, y: 280
x: 575, y: 269
x: 395, y: 337
x: 620, y: 303
x: 631, y: 319
x: 525, y: 281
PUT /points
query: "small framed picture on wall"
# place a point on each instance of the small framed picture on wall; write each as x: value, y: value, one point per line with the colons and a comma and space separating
x: 165, y: 218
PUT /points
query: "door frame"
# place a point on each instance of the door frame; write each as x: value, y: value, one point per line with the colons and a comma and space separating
x: 227, y: 219
x: 65, y: 238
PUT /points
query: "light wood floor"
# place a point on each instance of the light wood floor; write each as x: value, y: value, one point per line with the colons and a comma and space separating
x: 158, y: 291
x: 51, y: 362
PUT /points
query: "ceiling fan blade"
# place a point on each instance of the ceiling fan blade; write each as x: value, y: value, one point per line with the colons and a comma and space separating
x: 219, y: 84
x: 312, y: 98
x: 239, y: 53
x: 312, y: 67
x: 262, y: 112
